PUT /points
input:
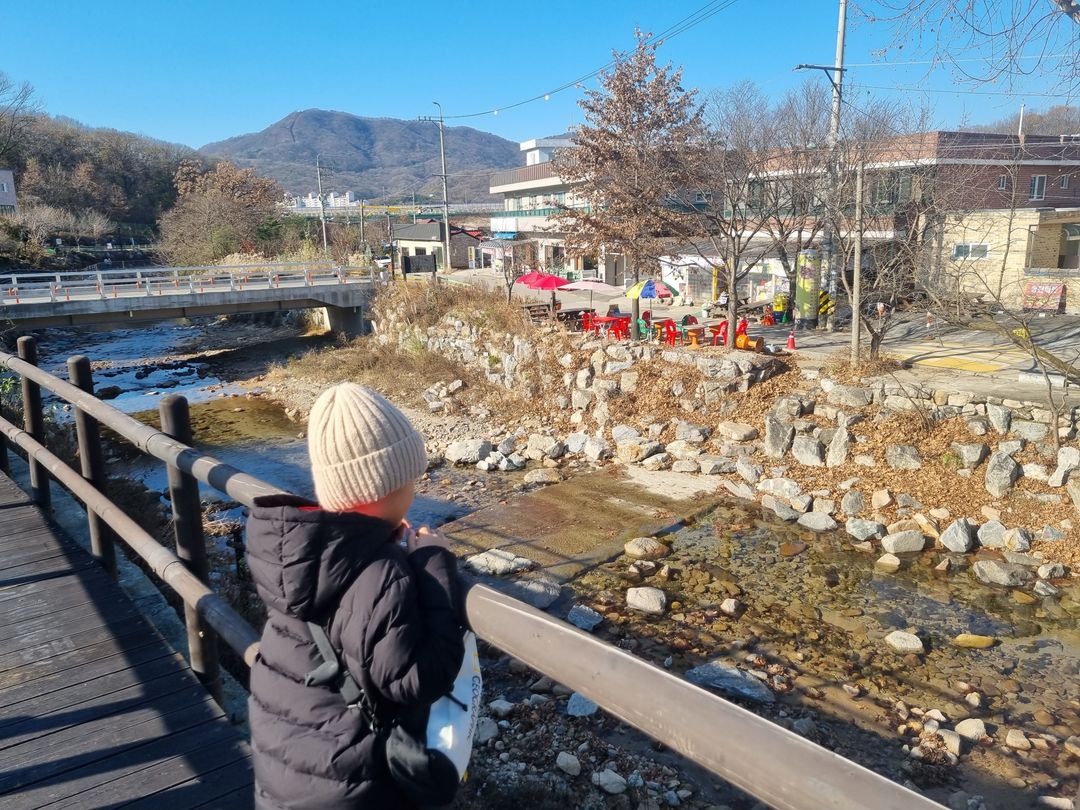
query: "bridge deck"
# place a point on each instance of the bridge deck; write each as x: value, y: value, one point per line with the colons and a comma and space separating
x: 96, y: 710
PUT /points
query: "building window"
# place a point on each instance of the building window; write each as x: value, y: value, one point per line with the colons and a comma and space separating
x: 1003, y: 182
x: 420, y: 252
x: 3, y: 186
x: 968, y: 250
x: 1038, y: 187
x: 1064, y: 181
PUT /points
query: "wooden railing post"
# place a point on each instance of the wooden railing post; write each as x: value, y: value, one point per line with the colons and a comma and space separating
x: 92, y: 462
x: 190, y: 544
x: 34, y: 422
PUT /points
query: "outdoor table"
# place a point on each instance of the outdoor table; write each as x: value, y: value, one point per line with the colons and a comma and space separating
x: 696, y: 332
x: 572, y: 314
x: 605, y: 322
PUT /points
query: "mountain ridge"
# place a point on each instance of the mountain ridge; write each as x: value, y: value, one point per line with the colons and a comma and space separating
x: 376, y: 157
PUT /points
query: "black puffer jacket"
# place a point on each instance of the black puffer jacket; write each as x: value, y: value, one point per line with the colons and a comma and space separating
x: 395, y: 616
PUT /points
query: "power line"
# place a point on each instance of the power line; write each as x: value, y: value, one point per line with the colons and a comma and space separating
x: 699, y: 16
x: 963, y: 92
x: 946, y: 62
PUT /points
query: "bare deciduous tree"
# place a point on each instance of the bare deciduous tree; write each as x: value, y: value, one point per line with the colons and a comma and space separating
x: 626, y: 162
x: 17, y: 106
x: 93, y: 224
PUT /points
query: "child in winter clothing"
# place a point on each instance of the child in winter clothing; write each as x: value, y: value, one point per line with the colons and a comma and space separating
x: 394, y: 612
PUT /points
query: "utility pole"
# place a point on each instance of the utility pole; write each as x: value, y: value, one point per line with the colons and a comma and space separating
x: 835, y: 73
x: 856, y: 287
x: 362, y: 240
x: 390, y: 230
x: 445, y: 199
x: 322, y: 207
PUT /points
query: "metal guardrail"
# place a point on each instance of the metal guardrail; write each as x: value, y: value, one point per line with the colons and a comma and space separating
x: 728, y: 740
x: 36, y: 288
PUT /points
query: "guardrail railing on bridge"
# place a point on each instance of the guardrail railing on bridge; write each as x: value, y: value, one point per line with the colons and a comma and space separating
x: 777, y: 766
x: 36, y: 288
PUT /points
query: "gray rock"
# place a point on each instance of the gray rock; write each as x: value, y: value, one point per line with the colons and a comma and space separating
x: 1011, y: 446
x: 646, y: 548
x: 779, y: 508
x: 778, y: 437
x: 992, y: 534
x: 1044, y: 589
x: 817, y: 521
x: 686, y: 466
x: 973, y: 729
x: 889, y: 563
x: 739, y: 489
x: 849, y: 396
x: 1017, y: 539
x: 1068, y: 459
x: 995, y: 572
x: 977, y: 425
x: 970, y: 454
x: 865, y: 529
x: 1073, y: 488
x: 736, y: 431
x: 581, y: 400
x: 468, y: 451
x: 731, y: 681
x: 903, y: 457
x: 1001, y: 473
x: 1032, y: 431
x: 1051, y: 533
x: 780, y: 487
x: 609, y: 782
x: 580, y: 706
x: 568, y: 763
x: 683, y: 450
x: 540, y: 447
x: 959, y: 536
x: 624, y: 433
x: 749, y: 471
x: 695, y: 434
x: 596, y: 449
x: 1000, y: 417
x: 497, y: 562
x: 659, y: 461
x: 542, y: 476
x: 486, y: 731
x: 905, y: 542
x: 575, y: 442
x: 584, y: 618
x: 501, y: 708
x: 839, y: 448
x: 636, y: 450
x: 540, y: 591
x: 853, y: 503
x: 715, y: 465
x: 647, y: 600
x: 808, y: 450
x: 1053, y: 570
x: 904, y: 643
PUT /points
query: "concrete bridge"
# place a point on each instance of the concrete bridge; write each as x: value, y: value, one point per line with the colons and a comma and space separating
x: 35, y: 300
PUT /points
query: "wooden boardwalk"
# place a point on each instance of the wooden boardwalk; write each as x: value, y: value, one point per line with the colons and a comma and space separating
x: 96, y: 710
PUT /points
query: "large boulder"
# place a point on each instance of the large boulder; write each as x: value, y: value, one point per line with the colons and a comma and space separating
x: 647, y: 600
x: 778, y: 437
x: 468, y: 451
x: 1032, y: 431
x: 853, y: 503
x: 1000, y: 417
x: 1001, y: 473
x: 646, y: 548
x: 1068, y: 459
x: 865, y: 529
x: 636, y: 450
x: 596, y: 449
x: 541, y: 447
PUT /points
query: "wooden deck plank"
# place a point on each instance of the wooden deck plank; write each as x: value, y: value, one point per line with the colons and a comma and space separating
x: 105, y: 739
x: 69, y: 789
x: 96, y: 710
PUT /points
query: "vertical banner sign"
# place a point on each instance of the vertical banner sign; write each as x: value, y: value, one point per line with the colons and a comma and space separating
x: 807, y: 287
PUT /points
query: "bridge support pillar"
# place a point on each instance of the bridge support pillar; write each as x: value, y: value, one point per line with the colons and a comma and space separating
x: 348, y: 321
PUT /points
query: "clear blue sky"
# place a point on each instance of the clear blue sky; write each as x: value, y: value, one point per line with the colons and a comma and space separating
x: 199, y: 71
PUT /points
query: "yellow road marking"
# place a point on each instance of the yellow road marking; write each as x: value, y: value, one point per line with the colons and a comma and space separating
x: 959, y: 363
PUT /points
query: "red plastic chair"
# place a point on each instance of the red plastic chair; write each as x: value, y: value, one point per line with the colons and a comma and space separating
x: 586, y: 321
x: 647, y: 316
x: 719, y: 333
x: 671, y: 333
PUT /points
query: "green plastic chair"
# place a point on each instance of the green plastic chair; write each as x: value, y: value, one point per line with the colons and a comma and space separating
x: 644, y: 332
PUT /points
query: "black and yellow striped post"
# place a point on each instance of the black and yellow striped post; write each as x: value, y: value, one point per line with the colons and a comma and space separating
x: 826, y: 306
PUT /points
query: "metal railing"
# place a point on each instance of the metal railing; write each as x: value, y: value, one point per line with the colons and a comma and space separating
x: 36, y: 288
x: 726, y: 739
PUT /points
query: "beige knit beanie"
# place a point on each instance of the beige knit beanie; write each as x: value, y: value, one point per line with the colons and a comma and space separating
x: 362, y: 448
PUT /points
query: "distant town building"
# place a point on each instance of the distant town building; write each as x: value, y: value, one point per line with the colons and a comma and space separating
x: 426, y: 239
x: 8, y: 204
x: 334, y: 201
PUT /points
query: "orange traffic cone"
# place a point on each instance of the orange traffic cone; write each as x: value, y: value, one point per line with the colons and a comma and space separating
x: 791, y: 341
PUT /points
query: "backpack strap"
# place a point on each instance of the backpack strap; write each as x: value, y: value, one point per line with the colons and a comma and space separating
x: 334, y: 674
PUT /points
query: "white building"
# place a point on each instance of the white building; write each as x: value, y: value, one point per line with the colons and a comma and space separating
x: 532, y: 195
x: 8, y: 204
x: 334, y: 201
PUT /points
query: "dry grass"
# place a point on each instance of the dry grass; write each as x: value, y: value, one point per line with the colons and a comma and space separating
x: 426, y: 305
x: 838, y: 367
